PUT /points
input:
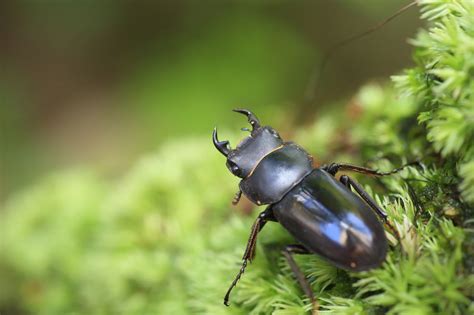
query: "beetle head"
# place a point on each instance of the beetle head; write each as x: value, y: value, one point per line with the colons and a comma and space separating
x: 248, y: 153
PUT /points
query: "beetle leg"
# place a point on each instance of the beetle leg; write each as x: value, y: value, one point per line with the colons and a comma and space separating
x: 249, y: 253
x: 350, y: 183
x: 288, y: 252
x: 237, y: 197
x: 333, y: 168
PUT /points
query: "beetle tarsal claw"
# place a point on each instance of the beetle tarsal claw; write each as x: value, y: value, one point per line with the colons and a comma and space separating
x: 222, y: 146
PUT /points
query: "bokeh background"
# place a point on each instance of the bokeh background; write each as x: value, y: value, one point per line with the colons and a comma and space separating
x: 114, y: 200
x: 100, y: 83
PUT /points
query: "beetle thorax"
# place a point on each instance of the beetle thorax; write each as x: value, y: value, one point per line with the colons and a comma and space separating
x: 276, y: 174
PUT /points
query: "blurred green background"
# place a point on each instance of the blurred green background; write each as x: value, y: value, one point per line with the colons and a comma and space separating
x: 114, y: 200
x: 100, y: 83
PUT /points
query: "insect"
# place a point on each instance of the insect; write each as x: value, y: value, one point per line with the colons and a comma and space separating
x: 335, y: 219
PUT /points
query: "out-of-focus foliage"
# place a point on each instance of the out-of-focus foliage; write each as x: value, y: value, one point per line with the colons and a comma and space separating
x: 227, y: 63
x: 165, y: 240
x: 99, y: 83
x: 44, y: 234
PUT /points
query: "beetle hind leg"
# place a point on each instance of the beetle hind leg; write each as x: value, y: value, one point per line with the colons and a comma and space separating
x: 350, y: 183
x: 288, y: 252
x: 333, y: 168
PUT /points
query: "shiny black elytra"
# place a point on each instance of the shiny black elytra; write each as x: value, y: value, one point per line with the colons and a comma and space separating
x: 320, y: 212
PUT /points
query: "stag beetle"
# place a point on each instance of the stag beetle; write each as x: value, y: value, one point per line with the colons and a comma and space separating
x: 323, y: 214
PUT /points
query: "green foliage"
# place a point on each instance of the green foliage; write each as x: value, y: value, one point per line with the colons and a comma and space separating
x: 45, y: 232
x: 443, y: 85
x: 165, y: 240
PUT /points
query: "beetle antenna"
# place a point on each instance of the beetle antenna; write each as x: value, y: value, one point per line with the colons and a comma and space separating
x: 253, y: 120
x: 222, y: 146
x: 245, y: 129
x: 313, y: 87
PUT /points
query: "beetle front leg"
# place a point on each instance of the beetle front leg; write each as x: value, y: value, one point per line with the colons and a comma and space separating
x: 350, y: 183
x: 237, y: 196
x: 251, y: 247
x: 300, y: 277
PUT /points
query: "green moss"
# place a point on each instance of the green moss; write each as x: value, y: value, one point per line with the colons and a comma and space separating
x: 45, y: 231
x: 442, y: 84
x: 165, y: 239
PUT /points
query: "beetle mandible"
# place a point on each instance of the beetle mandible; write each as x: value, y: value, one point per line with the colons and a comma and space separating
x: 323, y: 214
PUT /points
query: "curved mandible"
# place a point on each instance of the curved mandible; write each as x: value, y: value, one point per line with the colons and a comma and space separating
x: 253, y: 120
x: 222, y: 146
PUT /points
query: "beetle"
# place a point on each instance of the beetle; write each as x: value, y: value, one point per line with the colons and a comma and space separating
x: 335, y: 219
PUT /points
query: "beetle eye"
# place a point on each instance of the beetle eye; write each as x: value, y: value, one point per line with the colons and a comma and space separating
x: 233, y: 168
